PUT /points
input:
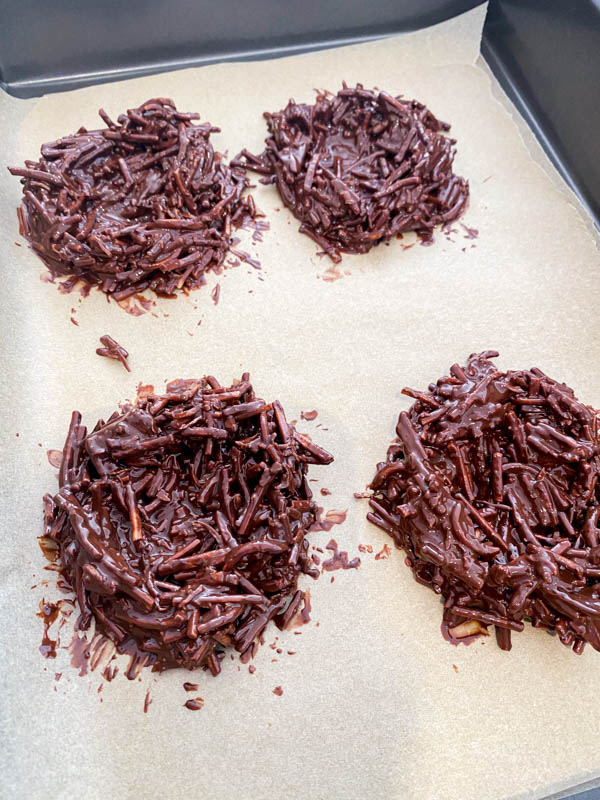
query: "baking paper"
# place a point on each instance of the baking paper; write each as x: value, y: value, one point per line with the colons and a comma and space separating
x: 375, y: 703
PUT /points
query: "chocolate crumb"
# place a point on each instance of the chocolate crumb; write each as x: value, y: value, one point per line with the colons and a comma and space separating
x: 112, y: 349
x: 385, y: 552
x: 470, y: 233
x: 195, y: 704
x: 339, y: 559
x: 48, y: 613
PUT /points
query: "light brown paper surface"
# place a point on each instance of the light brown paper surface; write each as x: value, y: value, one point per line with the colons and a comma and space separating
x: 372, y: 706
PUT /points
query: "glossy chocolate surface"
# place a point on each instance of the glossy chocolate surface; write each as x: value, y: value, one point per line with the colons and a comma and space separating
x: 361, y: 167
x: 492, y: 490
x: 144, y: 203
x: 181, y: 522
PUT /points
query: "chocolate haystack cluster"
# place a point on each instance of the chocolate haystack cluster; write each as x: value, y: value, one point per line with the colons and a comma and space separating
x: 144, y: 203
x: 181, y: 522
x: 361, y: 167
x: 492, y: 490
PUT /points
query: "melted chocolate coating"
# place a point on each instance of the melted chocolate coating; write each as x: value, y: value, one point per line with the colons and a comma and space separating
x: 361, y: 167
x: 181, y: 522
x: 144, y: 203
x: 492, y: 490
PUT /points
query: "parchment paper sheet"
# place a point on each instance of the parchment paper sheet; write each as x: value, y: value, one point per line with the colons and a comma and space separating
x: 372, y: 706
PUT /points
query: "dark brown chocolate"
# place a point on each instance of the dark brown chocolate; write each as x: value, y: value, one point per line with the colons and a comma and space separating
x: 361, y: 167
x: 339, y: 558
x: 492, y: 490
x: 144, y: 203
x: 181, y: 522
x: 112, y: 349
x: 195, y: 704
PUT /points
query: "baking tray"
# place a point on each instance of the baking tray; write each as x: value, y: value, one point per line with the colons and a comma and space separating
x: 545, y: 55
x: 51, y: 47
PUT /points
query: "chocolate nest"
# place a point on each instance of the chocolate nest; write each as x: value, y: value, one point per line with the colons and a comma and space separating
x: 144, y: 203
x: 361, y: 167
x: 492, y: 490
x: 181, y: 522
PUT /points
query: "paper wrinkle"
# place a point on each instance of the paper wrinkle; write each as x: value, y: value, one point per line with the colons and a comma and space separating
x: 371, y: 705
